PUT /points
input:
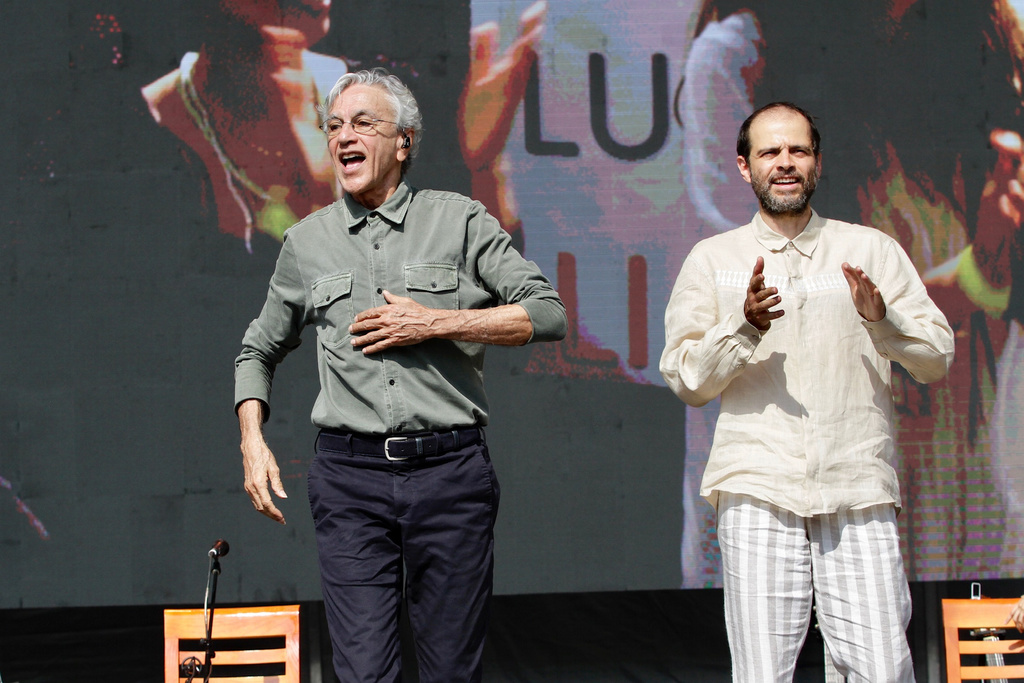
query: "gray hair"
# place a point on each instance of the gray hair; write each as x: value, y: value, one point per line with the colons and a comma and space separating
x: 407, y: 111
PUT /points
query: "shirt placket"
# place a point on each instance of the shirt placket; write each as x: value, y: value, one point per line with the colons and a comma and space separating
x: 391, y: 382
x: 803, y: 381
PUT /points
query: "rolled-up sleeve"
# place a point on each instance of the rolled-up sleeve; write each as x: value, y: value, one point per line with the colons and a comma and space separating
x: 513, y: 279
x: 274, y: 334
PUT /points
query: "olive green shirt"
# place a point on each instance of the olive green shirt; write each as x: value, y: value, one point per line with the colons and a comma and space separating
x: 439, y: 248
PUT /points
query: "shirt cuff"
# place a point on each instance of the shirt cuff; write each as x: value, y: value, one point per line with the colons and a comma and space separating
x: 889, y: 326
x: 250, y: 383
x: 748, y: 336
x: 547, y: 318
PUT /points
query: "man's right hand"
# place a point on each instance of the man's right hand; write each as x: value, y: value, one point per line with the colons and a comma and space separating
x: 258, y: 461
x: 760, y: 299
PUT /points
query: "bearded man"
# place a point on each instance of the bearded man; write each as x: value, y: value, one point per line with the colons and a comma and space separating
x: 800, y: 472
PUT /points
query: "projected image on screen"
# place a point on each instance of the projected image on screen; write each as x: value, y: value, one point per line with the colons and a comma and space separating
x: 623, y: 156
x: 594, y: 166
x: 601, y: 134
x: 22, y: 508
x: 245, y: 103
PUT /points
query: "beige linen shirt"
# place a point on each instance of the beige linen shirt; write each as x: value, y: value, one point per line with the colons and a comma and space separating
x: 806, y: 414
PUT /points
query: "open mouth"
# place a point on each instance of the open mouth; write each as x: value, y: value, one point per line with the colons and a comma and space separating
x: 352, y: 161
x: 786, y: 181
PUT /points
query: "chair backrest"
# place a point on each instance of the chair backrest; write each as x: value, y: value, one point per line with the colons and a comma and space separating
x: 986, y: 613
x: 246, y: 641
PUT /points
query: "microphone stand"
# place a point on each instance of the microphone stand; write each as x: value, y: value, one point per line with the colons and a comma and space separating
x: 191, y: 667
x: 208, y: 609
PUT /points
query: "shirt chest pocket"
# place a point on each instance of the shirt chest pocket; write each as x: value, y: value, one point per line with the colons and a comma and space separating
x: 332, y: 299
x: 435, y: 285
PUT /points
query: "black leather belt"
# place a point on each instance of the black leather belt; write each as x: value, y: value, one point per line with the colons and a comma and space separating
x: 401, y: 447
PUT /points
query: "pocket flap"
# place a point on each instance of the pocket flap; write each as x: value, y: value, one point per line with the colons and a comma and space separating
x: 431, y: 277
x: 329, y: 289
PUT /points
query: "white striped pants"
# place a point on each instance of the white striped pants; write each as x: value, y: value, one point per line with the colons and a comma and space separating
x: 773, y: 559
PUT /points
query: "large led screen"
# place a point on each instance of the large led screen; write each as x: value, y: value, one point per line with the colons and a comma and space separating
x: 156, y: 152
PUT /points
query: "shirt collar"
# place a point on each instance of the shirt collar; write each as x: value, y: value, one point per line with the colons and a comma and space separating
x: 805, y: 242
x: 393, y: 210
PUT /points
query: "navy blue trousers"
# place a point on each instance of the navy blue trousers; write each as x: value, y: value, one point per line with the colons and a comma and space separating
x: 433, y: 516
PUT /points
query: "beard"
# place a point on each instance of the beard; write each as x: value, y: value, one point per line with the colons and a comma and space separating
x: 785, y: 206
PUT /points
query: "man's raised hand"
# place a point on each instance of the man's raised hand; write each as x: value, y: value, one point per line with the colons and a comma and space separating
x: 866, y: 297
x: 760, y: 299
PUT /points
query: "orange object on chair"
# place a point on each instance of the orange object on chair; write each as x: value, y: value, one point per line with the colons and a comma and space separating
x: 986, y: 617
x: 268, y: 638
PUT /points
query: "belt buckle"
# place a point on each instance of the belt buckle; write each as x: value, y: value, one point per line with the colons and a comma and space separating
x: 387, y: 449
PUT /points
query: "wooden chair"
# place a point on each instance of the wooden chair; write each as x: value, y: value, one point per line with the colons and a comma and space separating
x: 251, y: 644
x: 984, y: 613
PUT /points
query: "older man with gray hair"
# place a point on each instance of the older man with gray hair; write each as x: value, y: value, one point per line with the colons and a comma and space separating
x: 404, y: 288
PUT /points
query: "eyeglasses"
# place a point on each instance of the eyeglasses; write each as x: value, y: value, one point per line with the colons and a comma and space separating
x: 361, y: 126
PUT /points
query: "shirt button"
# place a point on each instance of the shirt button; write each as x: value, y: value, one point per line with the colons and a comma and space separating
x: 376, y: 246
x: 379, y: 290
x: 391, y: 382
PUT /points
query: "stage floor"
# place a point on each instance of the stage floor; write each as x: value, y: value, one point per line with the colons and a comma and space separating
x: 648, y: 636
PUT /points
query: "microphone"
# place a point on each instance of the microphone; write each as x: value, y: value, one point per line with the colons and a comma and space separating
x: 220, y: 548
x: 407, y: 144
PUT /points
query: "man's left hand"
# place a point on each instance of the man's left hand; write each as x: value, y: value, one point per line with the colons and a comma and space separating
x: 400, y: 322
x: 866, y: 297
